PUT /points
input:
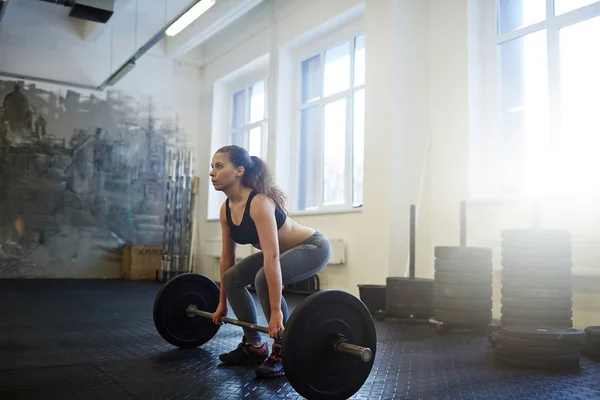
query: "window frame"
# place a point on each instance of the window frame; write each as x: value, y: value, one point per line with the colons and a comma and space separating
x: 492, y: 106
x: 245, y: 84
x: 319, y: 46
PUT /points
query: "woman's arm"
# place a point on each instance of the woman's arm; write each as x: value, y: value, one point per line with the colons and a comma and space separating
x: 262, y: 211
x: 227, y: 251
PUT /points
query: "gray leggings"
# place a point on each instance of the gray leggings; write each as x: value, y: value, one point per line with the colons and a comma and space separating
x: 297, y: 264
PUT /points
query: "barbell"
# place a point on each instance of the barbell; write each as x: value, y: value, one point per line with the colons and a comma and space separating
x: 328, y: 345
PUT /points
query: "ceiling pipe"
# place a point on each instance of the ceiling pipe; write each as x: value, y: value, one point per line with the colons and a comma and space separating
x: 3, y: 5
x: 120, y: 72
x: 89, y: 10
x: 66, y: 3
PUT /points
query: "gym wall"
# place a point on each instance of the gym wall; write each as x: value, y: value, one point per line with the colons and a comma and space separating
x: 83, y: 172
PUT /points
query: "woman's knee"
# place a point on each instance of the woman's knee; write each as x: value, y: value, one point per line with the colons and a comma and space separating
x: 260, y: 282
x: 230, y: 280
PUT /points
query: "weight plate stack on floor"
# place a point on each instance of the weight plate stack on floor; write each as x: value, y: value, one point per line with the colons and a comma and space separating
x: 536, y: 278
x: 543, y: 348
x: 463, y: 284
x: 409, y: 298
x: 406, y: 297
x: 591, y: 348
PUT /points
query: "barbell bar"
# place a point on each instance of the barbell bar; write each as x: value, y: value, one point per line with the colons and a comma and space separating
x: 338, y: 343
x: 329, y: 343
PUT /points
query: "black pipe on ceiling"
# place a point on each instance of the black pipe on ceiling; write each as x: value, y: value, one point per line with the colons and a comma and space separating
x: 66, y: 3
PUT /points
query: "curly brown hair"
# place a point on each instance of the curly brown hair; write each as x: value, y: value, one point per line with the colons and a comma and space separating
x: 257, y: 174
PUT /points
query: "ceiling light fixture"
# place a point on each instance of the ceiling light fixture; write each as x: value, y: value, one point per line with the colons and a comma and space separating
x: 190, y: 16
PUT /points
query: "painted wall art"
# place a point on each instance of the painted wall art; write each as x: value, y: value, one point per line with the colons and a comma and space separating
x: 80, y: 175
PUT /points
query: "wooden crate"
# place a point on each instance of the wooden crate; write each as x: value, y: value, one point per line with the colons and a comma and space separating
x: 140, y: 262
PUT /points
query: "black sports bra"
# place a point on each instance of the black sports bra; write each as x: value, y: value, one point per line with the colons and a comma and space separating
x: 246, y: 232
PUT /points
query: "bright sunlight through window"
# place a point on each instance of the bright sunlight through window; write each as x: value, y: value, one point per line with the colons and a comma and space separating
x: 332, y: 107
x: 550, y: 119
x: 249, y: 118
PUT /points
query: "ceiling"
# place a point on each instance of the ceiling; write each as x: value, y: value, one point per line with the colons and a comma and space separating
x: 135, y: 27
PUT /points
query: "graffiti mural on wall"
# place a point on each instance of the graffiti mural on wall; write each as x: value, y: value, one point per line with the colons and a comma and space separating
x: 79, y: 176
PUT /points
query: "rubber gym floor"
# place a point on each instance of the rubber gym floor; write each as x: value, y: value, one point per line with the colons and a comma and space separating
x: 73, y: 339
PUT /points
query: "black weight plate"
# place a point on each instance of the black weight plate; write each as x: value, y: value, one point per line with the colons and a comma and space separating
x: 592, y: 331
x: 458, y: 278
x: 169, y: 311
x: 405, y: 296
x: 533, y: 343
x: 536, y: 243
x: 558, y: 304
x: 592, y: 352
x: 450, y: 265
x: 463, y: 291
x: 566, y: 365
x: 536, y: 351
x: 463, y: 253
x: 523, y: 284
x: 593, y: 341
x: 463, y: 317
x: 592, y: 336
x: 540, y: 357
x: 408, y: 296
x: 311, y: 366
x: 402, y: 283
x: 543, y: 333
x: 537, y: 263
x: 535, y: 252
x: 451, y: 303
x: 529, y: 293
x: 536, y: 234
x: 537, y: 322
x: 538, y: 313
x: 403, y: 310
x: 527, y: 275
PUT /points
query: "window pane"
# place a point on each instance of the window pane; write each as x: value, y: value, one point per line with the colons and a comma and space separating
x: 580, y: 97
x: 514, y: 14
x: 358, y: 147
x: 237, y: 139
x: 257, y: 101
x: 334, y: 153
x: 564, y: 6
x: 311, y: 79
x: 337, y: 69
x: 310, y: 149
x: 524, y: 87
x: 238, y: 115
x: 359, y: 60
x: 254, y: 140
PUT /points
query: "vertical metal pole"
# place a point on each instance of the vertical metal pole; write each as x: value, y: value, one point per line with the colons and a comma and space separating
x: 412, y: 241
x: 463, y: 224
x: 164, y: 265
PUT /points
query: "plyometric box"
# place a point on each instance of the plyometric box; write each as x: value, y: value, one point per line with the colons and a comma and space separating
x: 140, y: 262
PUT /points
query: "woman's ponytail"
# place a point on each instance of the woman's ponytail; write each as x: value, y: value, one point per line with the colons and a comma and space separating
x: 257, y: 175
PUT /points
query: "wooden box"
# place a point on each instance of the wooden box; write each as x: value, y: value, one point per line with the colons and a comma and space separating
x: 140, y: 262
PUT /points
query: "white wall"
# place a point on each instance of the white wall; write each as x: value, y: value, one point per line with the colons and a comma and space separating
x: 269, y: 28
x: 424, y: 86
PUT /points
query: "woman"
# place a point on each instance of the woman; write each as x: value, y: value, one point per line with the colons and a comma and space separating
x: 254, y: 213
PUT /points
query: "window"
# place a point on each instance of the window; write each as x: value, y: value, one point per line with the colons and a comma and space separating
x: 548, y: 66
x: 331, y: 127
x: 248, y: 122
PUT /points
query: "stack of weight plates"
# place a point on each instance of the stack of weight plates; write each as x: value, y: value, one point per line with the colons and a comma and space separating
x: 463, y: 286
x: 592, y: 342
x: 548, y: 348
x: 409, y: 297
x: 536, y: 278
